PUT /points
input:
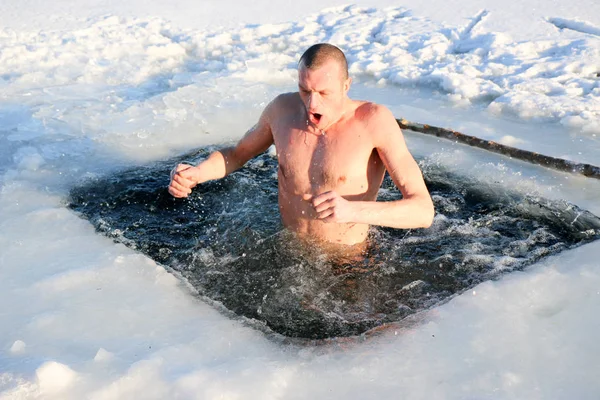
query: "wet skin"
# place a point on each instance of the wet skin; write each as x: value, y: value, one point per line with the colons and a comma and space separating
x: 343, y: 161
x: 333, y: 153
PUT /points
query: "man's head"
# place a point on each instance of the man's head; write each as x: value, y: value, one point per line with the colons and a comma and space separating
x: 323, y: 83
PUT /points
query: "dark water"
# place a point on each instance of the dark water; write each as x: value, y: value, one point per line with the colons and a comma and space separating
x: 228, y: 242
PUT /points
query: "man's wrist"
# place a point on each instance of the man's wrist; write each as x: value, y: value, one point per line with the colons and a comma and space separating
x: 197, y: 177
x: 357, y: 210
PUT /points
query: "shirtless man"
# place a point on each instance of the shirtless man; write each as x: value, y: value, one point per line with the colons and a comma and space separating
x: 332, y: 151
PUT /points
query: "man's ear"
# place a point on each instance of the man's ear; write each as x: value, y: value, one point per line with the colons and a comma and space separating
x: 347, y: 84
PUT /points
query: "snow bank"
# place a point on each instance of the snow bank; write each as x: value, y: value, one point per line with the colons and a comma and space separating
x: 550, y: 79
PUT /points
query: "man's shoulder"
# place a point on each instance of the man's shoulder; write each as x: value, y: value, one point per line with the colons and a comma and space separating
x: 377, y: 122
x: 286, y: 99
x: 370, y: 112
x: 375, y: 117
x: 282, y: 103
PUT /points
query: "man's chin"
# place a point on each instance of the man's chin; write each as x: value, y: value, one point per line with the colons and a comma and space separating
x: 320, y: 123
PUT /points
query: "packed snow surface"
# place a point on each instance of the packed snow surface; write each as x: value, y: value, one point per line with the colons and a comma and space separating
x: 103, y: 86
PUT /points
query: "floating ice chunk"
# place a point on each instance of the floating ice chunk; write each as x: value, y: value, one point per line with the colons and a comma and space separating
x: 18, y: 347
x: 54, y: 377
x: 413, y: 285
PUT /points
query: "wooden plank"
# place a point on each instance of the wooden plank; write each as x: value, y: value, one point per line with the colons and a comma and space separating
x: 588, y: 170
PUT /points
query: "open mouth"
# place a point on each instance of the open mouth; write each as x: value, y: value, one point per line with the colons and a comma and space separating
x: 316, y: 117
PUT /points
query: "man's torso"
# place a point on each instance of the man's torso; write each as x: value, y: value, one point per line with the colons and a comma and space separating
x: 343, y: 159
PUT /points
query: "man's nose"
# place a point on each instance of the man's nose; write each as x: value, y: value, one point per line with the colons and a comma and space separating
x: 313, y: 99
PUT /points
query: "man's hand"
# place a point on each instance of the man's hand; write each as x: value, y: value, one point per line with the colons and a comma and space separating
x: 183, y: 179
x: 331, y: 207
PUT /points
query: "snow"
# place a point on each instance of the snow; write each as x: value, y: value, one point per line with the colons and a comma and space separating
x: 18, y: 347
x: 91, y: 87
x: 54, y: 378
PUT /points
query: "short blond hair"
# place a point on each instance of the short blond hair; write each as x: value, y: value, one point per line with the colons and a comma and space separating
x: 318, y: 54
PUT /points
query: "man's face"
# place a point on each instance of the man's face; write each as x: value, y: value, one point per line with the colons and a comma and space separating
x: 323, y: 91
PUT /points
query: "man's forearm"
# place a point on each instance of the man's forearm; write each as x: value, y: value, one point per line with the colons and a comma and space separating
x: 218, y: 165
x: 414, y: 212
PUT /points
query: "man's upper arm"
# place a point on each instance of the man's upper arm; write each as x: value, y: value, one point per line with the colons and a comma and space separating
x: 400, y: 164
x: 258, y: 138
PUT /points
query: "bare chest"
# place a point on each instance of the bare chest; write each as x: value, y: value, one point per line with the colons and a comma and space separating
x: 339, y: 160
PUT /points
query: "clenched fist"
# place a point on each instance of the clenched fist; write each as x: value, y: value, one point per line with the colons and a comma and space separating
x: 331, y: 207
x: 183, y: 178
